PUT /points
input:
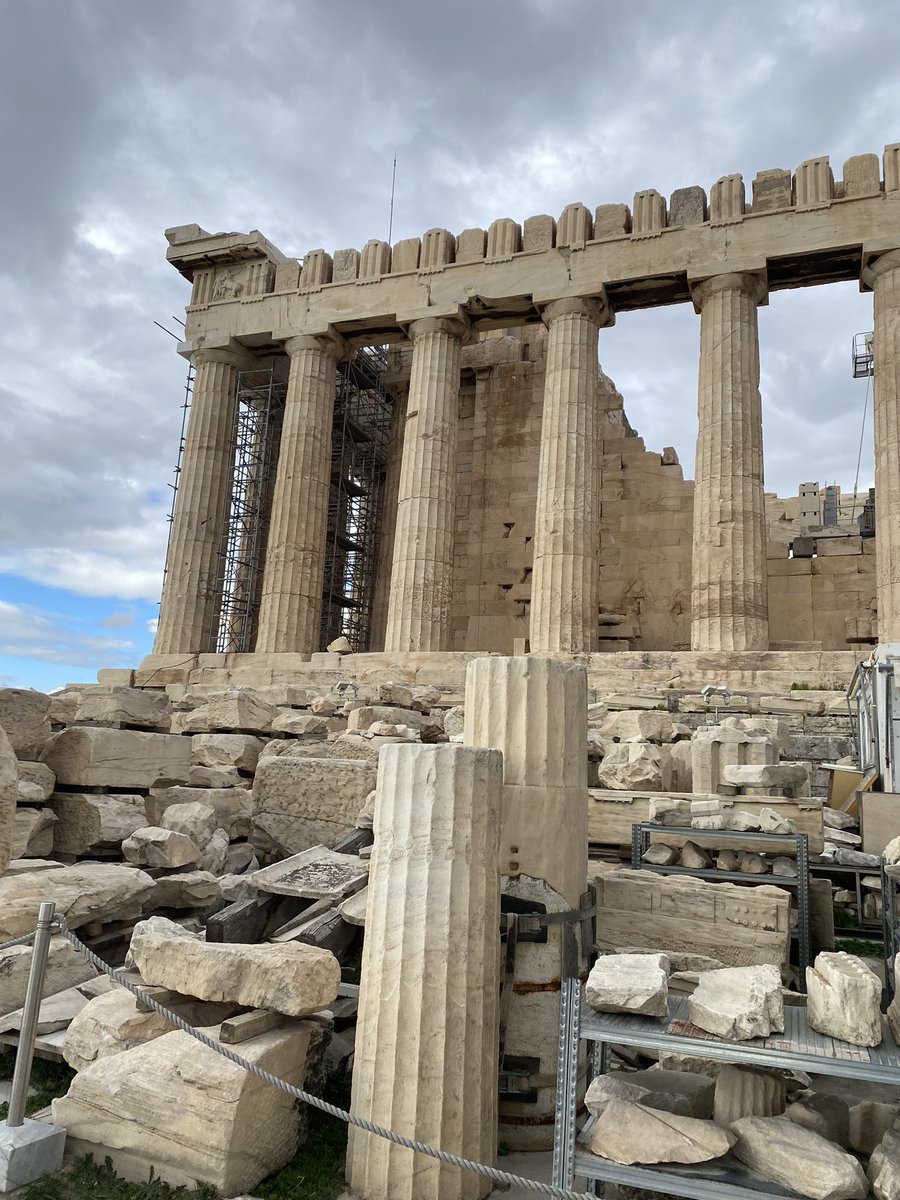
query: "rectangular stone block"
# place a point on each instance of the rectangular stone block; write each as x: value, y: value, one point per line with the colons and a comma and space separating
x: 83, y: 756
x: 687, y: 206
x: 772, y: 190
x: 303, y: 802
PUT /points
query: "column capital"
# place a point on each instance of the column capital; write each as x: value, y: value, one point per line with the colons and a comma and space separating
x: 232, y: 354
x: 454, y: 326
x: 875, y: 263
x: 751, y: 283
x: 330, y: 343
x: 597, y: 308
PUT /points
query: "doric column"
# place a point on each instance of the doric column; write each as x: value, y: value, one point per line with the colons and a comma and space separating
x: 189, y: 610
x: 291, y: 602
x: 427, y: 1034
x: 729, y: 597
x: 882, y: 275
x: 565, y: 580
x: 419, y: 608
x: 387, y: 515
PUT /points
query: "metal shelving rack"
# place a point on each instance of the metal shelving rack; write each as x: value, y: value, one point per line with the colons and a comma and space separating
x: 640, y: 841
x: 798, y: 1047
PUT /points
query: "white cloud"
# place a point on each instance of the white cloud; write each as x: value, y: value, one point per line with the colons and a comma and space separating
x: 27, y: 632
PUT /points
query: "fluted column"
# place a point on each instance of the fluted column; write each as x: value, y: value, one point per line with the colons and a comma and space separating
x: 565, y: 580
x: 189, y: 609
x: 291, y: 602
x: 419, y: 608
x: 729, y: 597
x: 883, y: 276
x: 387, y: 516
x: 427, y: 1033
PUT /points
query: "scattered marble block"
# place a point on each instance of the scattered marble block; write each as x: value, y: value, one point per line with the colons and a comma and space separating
x: 87, y: 820
x: 28, y: 1152
x: 668, y: 811
x: 236, y: 750
x: 65, y: 969
x: 316, y: 874
x: 185, y: 889
x: 739, y: 1002
x: 290, y: 977
x: 89, y: 755
x: 685, y: 1093
x: 884, y: 1167
x: 25, y: 718
x: 195, y: 820
x: 633, y: 983
x: 844, y: 999
x: 824, y: 1114
x: 660, y: 855
x: 192, y: 1115
x: 798, y: 1159
x: 614, y: 1085
x: 745, y: 1092
x: 869, y: 1122
x: 353, y: 909
x: 154, y: 846
x: 629, y: 1133
x: 85, y: 894
x: 695, y: 857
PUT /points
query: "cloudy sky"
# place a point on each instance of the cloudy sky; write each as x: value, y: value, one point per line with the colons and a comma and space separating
x: 119, y: 118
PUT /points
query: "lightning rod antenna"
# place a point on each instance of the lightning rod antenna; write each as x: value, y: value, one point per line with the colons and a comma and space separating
x: 393, y: 185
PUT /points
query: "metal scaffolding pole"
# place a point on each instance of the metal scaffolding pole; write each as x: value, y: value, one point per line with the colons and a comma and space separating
x: 256, y: 437
x: 362, y: 416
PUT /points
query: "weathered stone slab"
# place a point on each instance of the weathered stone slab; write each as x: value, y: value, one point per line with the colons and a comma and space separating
x: 84, y: 894
x: 123, y: 705
x: 884, y: 1167
x: 302, y: 802
x: 25, y: 717
x: 240, y: 750
x: 188, y: 1112
x: 737, y: 925
x: 631, y: 765
x: 36, y: 782
x: 289, y: 977
x: 153, y: 846
x: 868, y: 1122
x: 639, y: 723
x: 353, y: 909
x: 185, y: 889
x: 630, y: 1133
x: 232, y: 806
x: 739, y: 1002
x: 32, y: 832
x: 65, y: 968
x: 824, y: 1114
x: 798, y: 1159
x: 844, y: 999
x: 238, y: 709
x: 635, y: 983
x: 195, y: 820
x: 316, y: 874
x: 85, y: 756
x: 85, y: 820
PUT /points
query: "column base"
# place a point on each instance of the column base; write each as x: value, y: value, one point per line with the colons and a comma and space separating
x: 29, y: 1151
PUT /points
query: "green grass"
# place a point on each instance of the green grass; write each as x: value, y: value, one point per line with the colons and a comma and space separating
x: 861, y: 947
x: 49, y: 1080
x: 98, y: 1181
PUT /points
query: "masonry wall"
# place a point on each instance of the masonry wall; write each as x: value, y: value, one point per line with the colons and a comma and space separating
x: 646, y: 508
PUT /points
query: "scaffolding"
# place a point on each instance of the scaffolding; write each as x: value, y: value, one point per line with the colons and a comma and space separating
x: 259, y: 412
x: 185, y: 413
x: 359, y: 450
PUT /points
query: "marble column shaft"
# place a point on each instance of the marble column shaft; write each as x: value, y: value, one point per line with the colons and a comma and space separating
x: 565, y: 578
x: 883, y: 276
x: 291, y: 600
x: 189, y: 609
x: 729, y: 597
x: 428, y: 1030
x: 387, y: 516
x: 419, y: 608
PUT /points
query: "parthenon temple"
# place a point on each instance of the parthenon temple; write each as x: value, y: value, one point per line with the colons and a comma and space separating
x: 414, y: 446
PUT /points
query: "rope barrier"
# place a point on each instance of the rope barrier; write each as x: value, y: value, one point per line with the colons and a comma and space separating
x: 25, y: 940
x: 453, y: 1160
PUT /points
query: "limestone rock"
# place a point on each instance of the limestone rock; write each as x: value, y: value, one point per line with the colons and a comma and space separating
x: 88, y: 820
x: 772, y: 822
x: 648, y: 726
x: 214, y: 853
x: 798, y: 1159
x: 869, y: 1121
x: 107, y: 1025
x: 9, y: 781
x: 635, y: 983
x: 669, y: 811
x: 192, y: 1115
x: 790, y: 776
x: 739, y: 1002
x: 744, y: 1092
x: 240, y: 858
x: 195, y: 820
x: 32, y: 832
x: 353, y: 909
x: 658, y: 854
x: 785, y: 867
x: 614, y: 1085
x: 727, y: 860
x: 639, y: 766
x: 299, y: 803
x: 686, y: 1093
x: 844, y: 999
x: 36, y: 782
x: 454, y: 722
x: 752, y: 864
x: 340, y: 645
x: 298, y: 724
x: 289, y: 977
x: 85, y: 894
x: 239, y: 709
x: 185, y: 889
x: 695, y: 857
x: 629, y: 1133
x: 65, y: 968
x: 891, y: 852
x: 238, y: 750
x: 237, y: 887
x: 88, y: 756
x: 365, y: 716
x: 163, y: 927
x: 122, y: 705
x: 154, y: 846
x: 214, y: 777
x: 24, y: 716
x: 232, y: 806
x: 824, y: 1114
x: 884, y: 1167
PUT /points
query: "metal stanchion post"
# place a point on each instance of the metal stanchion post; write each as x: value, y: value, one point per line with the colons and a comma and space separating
x: 30, y: 1015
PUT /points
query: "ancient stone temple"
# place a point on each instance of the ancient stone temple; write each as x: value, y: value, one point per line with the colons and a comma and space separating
x: 414, y: 446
